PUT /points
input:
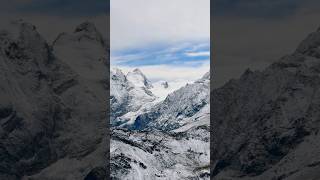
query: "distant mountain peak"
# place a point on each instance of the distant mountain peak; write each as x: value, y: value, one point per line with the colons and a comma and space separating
x: 117, y: 70
x: 139, y: 79
x: 206, y: 76
x: 165, y: 84
x: 137, y: 70
x: 117, y: 74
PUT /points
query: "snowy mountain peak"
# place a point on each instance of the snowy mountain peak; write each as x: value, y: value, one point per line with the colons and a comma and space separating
x: 19, y: 24
x: 83, y: 33
x: 20, y: 29
x: 21, y: 40
x: 88, y: 30
x: 23, y: 25
x: 206, y: 76
x: 117, y: 71
x: 310, y: 46
x: 86, y: 27
x: 137, y: 70
x: 84, y: 51
x: 204, y: 79
x: 117, y: 75
x: 139, y: 79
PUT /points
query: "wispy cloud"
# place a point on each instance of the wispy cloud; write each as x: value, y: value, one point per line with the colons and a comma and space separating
x: 141, y: 23
x: 197, y: 54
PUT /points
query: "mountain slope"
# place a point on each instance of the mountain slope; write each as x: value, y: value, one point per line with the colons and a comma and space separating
x: 265, y: 124
x: 48, y: 110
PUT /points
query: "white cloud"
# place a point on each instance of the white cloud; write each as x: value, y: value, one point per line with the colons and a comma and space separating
x: 171, y: 73
x: 195, y: 54
x: 142, y: 22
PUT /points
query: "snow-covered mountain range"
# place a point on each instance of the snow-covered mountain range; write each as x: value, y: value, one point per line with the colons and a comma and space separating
x: 156, y: 137
x: 53, y: 103
x: 53, y: 113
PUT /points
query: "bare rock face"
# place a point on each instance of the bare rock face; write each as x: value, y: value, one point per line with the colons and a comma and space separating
x: 265, y: 124
x: 48, y: 109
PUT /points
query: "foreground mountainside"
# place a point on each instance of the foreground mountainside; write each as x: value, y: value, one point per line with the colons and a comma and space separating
x: 166, y: 139
x: 52, y: 100
x: 266, y: 124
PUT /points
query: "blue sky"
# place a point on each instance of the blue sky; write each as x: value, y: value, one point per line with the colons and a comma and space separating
x: 191, y: 54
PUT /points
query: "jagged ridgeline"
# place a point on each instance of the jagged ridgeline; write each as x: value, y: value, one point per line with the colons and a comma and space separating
x: 156, y: 137
x: 266, y: 124
x: 53, y: 103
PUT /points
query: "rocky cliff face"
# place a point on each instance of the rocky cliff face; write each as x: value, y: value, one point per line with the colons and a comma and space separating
x: 49, y: 109
x: 265, y: 124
